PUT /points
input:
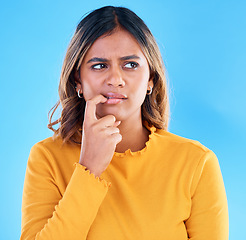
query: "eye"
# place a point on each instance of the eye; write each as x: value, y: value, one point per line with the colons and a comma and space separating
x: 131, y: 65
x: 98, y: 66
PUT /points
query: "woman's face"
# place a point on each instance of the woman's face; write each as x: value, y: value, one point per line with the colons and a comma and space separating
x: 116, y: 68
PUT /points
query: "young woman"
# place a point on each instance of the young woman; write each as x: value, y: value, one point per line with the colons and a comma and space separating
x: 112, y: 171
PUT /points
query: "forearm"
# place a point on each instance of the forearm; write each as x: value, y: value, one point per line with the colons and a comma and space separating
x: 73, y: 214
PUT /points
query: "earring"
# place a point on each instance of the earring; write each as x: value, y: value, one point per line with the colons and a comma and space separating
x: 149, y: 91
x: 80, y: 96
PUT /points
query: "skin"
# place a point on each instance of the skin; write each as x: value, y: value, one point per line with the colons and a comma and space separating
x: 114, y: 78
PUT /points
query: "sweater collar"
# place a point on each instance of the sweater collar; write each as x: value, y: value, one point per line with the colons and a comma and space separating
x: 128, y: 152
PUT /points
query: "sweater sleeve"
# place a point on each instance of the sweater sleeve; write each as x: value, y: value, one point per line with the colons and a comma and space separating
x: 49, y: 214
x: 209, y: 212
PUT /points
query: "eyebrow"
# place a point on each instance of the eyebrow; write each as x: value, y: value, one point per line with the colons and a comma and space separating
x: 97, y: 59
x: 130, y: 57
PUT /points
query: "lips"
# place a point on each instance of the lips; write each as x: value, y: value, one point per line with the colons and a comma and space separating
x: 112, y: 95
x: 114, y: 98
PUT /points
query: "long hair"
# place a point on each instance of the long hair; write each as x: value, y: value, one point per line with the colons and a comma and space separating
x: 155, y: 108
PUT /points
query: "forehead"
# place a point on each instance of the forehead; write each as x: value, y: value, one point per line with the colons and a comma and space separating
x: 119, y: 43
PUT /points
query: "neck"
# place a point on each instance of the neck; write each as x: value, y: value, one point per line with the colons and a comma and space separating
x: 134, y: 136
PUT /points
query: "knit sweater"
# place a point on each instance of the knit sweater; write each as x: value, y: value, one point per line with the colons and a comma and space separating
x: 172, y: 189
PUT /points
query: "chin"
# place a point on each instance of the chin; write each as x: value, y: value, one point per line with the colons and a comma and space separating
x: 116, y: 111
x: 118, y: 116
x: 121, y: 113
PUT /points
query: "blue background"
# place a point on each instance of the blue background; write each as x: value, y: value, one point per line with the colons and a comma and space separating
x: 203, y: 46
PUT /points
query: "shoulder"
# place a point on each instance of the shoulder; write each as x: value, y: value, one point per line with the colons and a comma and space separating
x: 175, y: 141
x: 53, y: 144
x: 181, y: 150
x: 52, y: 149
x: 185, y: 157
x: 48, y: 143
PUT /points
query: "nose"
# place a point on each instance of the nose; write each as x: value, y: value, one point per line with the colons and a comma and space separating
x: 115, y: 78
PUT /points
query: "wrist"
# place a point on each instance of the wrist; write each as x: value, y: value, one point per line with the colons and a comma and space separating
x: 93, y: 171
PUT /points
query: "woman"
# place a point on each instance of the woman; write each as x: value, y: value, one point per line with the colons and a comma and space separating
x: 112, y: 171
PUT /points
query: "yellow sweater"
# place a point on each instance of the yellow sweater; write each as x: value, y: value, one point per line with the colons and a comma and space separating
x: 172, y: 189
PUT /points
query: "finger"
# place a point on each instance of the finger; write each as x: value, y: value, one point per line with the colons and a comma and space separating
x: 117, y: 123
x: 90, y: 109
x: 111, y: 130
x: 107, y: 121
x: 117, y: 137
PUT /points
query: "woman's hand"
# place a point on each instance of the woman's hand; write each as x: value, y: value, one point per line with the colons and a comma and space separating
x: 99, y: 138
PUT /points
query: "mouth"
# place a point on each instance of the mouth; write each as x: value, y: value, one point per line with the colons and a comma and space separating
x: 114, y: 98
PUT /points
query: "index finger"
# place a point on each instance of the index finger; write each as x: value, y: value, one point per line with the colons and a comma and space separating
x: 90, y: 108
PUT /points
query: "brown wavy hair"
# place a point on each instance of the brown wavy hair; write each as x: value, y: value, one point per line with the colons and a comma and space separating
x: 155, y: 108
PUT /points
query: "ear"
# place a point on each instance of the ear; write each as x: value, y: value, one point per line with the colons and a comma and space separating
x: 78, y: 81
x: 150, y: 82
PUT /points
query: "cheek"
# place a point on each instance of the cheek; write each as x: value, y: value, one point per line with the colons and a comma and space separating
x: 139, y: 94
x: 87, y: 83
x: 90, y: 88
x: 140, y: 84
